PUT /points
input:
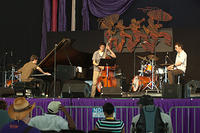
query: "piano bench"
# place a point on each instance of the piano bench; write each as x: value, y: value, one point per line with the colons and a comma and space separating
x: 26, y: 89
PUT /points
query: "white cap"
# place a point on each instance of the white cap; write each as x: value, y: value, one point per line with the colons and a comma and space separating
x: 53, y: 106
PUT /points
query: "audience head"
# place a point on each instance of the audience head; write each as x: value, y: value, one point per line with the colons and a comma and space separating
x: 145, y: 100
x: 53, y: 107
x: 3, y: 105
x: 21, y: 109
x: 108, y: 109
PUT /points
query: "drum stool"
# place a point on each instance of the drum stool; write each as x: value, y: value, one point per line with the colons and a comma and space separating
x: 180, y: 78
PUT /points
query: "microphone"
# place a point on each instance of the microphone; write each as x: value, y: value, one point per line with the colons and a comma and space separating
x: 11, y: 53
x: 167, y: 55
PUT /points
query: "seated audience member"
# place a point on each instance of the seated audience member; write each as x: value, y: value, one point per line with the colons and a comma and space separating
x: 150, y: 119
x: 51, y: 121
x: 20, y: 112
x: 109, y: 123
x: 4, y: 117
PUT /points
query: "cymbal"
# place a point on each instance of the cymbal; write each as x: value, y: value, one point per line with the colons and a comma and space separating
x: 11, y: 65
x: 16, y: 73
x: 165, y: 64
x: 153, y: 57
x: 143, y: 58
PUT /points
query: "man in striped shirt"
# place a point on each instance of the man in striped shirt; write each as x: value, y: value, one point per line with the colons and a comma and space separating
x: 109, y: 124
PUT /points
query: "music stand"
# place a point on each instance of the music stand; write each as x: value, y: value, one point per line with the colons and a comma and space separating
x: 107, y: 62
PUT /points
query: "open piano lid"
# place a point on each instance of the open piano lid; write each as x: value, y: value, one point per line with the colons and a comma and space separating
x: 64, y: 53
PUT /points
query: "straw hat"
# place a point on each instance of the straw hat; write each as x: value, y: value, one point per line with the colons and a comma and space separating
x: 53, y: 107
x: 20, y: 108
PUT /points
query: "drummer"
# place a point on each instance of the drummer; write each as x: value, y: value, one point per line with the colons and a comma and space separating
x: 180, y: 63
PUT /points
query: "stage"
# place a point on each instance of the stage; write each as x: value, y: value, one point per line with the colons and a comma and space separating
x: 86, y: 111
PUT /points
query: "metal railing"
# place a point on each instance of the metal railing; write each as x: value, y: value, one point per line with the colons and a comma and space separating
x: 184, y: 118
x: 82, y: 116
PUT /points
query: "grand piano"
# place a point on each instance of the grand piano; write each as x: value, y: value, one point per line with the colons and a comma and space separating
x: 67, y: 60
x: 67, y: 56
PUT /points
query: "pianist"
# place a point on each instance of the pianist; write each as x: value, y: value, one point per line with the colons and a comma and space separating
x: 27, y: 70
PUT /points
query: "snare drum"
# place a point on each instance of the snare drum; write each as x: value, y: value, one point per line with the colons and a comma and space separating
x: 9, y: 82
x: 140, y: 82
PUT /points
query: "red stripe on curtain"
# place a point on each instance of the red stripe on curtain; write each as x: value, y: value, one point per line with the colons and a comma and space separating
x: 54, y: 15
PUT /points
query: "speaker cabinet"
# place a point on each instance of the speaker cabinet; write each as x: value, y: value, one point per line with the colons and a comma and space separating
x: 75, y: 88
x: 172, y: 91
x: 6, y: 92
x: 192, y: 89
x: 111, y: 92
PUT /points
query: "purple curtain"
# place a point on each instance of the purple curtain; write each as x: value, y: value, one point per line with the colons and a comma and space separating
x: 62, y: 19
x: 46, y: 26
x: 85, y: 15
x: 102, y: 8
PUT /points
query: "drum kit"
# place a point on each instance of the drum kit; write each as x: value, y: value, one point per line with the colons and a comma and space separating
x: 150, y: 76
x: 11, y: 77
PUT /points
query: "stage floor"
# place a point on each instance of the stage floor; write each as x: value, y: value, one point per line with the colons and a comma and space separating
x: 139, y: 94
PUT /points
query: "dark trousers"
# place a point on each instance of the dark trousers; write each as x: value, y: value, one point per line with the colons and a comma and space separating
x: 172, y: 74
x: 40, y: 86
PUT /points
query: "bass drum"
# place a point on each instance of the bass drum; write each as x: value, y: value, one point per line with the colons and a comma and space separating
x: 9, y: 83
x: 140, y: 82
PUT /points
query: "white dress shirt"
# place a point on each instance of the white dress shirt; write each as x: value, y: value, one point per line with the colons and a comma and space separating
x: 181, y: 57
x: 49, y: 122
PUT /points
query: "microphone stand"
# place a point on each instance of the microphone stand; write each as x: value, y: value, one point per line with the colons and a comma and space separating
x: 169, y: 58
x: 54, y: 78
x: 12, y: 70
x: 166, y: 68
x: 69, y: 91
x: 4, y: 69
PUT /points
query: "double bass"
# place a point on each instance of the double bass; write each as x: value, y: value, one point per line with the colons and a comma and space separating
x: 107, y: 78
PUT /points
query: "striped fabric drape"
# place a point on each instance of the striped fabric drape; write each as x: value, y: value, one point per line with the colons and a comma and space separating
x: 54, y: 15
x: 54, y: 20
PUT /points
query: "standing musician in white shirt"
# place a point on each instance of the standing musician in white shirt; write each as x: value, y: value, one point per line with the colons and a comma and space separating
x: 180, y: 64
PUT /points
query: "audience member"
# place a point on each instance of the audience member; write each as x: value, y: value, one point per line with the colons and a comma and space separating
x: 51, y: 121
x: 20, y: 112
x: 4, y: 114
x: 150, y: 119
x: 109, y: 123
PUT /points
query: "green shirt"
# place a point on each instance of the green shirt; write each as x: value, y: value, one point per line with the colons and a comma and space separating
x: 4, y: 118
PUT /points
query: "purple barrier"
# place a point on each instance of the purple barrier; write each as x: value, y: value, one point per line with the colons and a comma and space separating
x: 183, y: 120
